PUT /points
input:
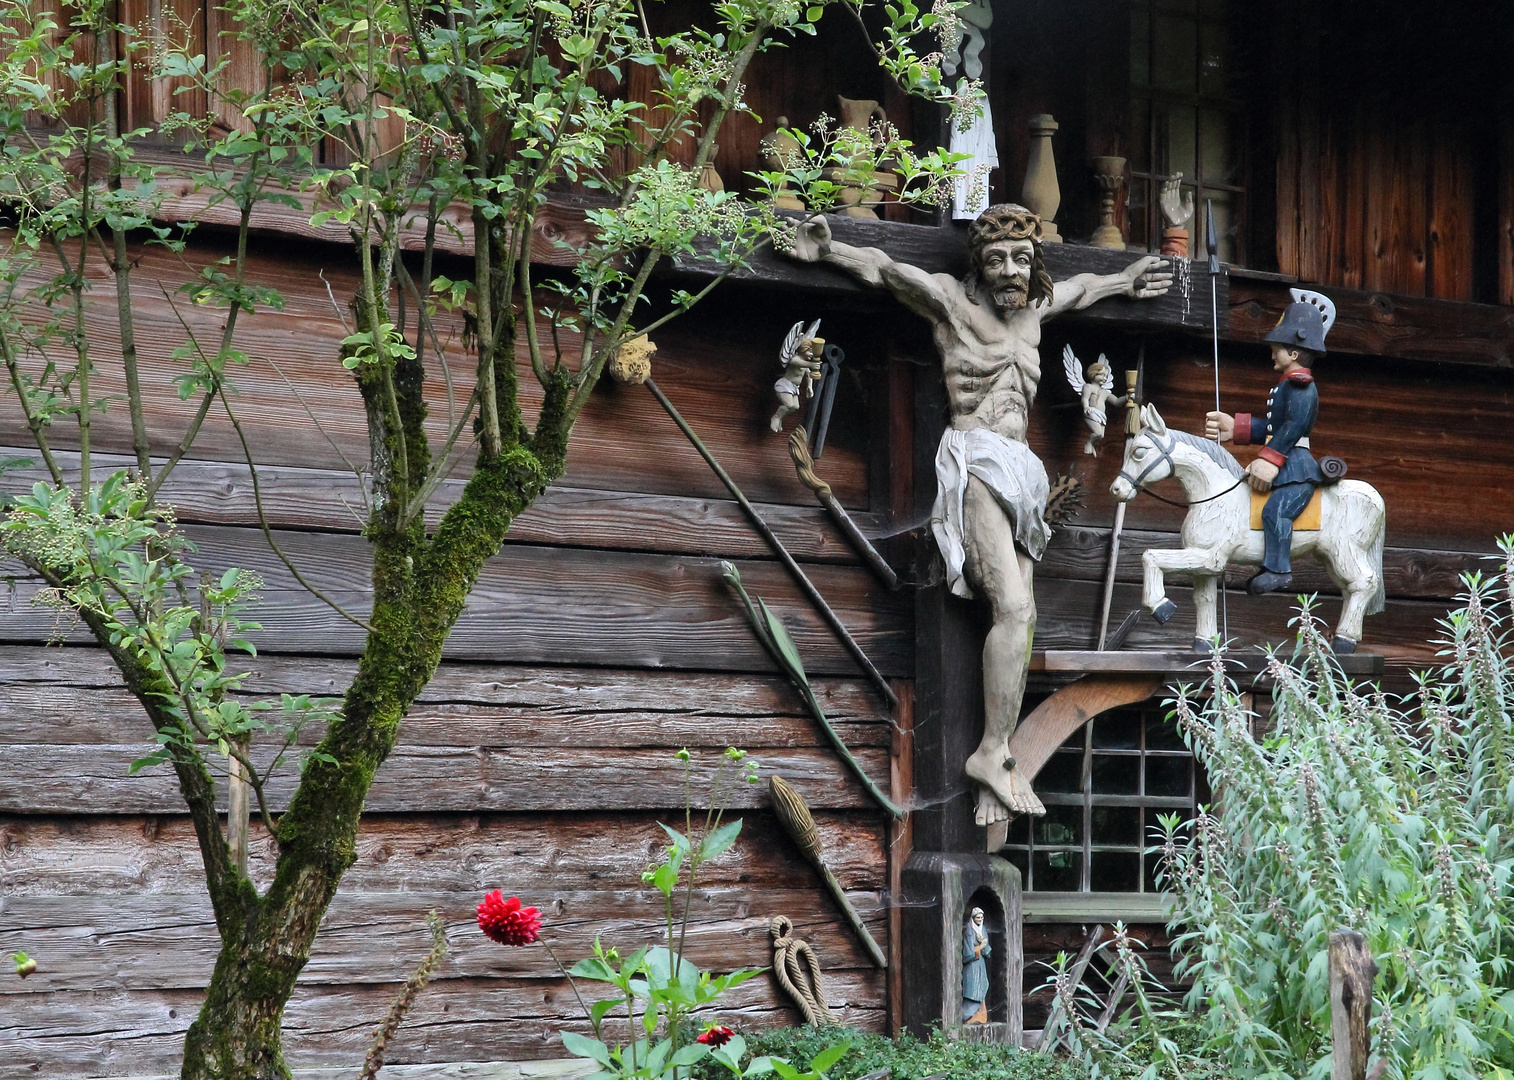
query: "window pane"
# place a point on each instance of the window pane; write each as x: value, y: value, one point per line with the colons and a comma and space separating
x: 1061, y: 825
x: 1115, y: 825
x: 1163, y: 734
x: 1116, y: 775
x: 1114, y: 871
x: 1020, y: 860
x: 1169, y: 777
x: 1153, y: 864
x: 1058, y: 871
x: 1140, y: 44
x: 1136, y: 211
x: 1117, y: 731
x: 1063, y: 773
x: 1214, y: 60
x: 1140, y: 135
x: 1175, y: 53
x: 1220, y: 145
x: 1175, y: 129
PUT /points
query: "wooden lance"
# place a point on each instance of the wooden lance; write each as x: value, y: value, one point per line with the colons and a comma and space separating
x: 1132, y: 429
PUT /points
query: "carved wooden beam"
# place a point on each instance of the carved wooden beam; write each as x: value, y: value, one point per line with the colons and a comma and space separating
x: 1377, y: 324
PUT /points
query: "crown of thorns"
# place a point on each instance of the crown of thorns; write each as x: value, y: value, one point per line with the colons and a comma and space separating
x: 1006, y: 221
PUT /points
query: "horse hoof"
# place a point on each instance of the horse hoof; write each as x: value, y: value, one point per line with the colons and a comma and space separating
x: 1164, y: 611
x: 1203, y: 645
x: 1343, y: 646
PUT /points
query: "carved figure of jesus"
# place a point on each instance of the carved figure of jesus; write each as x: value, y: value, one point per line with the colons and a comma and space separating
x: 991, y: 489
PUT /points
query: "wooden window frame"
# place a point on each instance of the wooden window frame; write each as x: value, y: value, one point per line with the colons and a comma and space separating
x: 1025, y: 846
x: 1233, y: 107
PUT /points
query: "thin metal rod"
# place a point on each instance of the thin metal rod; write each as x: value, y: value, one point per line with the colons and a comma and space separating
x: 1214, y: 322
x: 805, y: 585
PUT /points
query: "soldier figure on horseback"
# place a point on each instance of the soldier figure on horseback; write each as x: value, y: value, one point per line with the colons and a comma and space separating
x: 1284, y: 466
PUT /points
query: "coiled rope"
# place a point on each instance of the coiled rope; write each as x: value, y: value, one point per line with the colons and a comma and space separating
x: 798, y: 971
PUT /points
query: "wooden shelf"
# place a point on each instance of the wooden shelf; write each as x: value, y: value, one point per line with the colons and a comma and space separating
x: 1092, y: 907
x: 1178, y: 664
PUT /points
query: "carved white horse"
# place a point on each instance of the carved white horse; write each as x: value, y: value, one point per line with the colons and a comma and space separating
x: 1217, y: 530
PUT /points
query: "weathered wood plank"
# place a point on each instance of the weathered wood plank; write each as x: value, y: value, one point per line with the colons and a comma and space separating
x: 115, y: 855
x: 117, y: 1033
x: 548, y: 605
x: 717, y: 365
x: 220, y: 493
x: 42, y: 779
x: 1452, y: 208
x: 1379, y: 324
x: 169, y: 942
x: 540, y: 707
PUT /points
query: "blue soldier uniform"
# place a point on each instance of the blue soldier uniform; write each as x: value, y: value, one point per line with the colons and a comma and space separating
x: 1292, y: 408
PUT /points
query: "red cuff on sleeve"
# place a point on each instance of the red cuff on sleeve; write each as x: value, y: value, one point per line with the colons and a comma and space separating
x: 1266, y: 453
x: 1242, y: 435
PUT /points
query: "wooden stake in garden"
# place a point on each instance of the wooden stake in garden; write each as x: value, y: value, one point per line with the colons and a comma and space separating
x: 1352, y: 971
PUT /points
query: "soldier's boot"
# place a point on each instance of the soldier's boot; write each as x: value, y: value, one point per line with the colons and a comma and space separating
x: 1268, y: 581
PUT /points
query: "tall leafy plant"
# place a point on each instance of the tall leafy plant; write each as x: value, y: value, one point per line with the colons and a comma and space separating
x: 1395, y: 819
x: 432, y: 118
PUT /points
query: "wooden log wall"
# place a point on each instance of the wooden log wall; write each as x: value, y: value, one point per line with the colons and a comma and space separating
x: 600, y: 640
x: 1385, y: 183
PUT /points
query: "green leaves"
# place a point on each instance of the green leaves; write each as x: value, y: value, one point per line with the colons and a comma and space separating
x: 382, y: 346
x: 1356, y: 811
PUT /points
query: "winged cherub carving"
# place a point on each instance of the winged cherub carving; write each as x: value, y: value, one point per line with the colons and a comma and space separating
x: 800, y: 358
x: 1097, y: 394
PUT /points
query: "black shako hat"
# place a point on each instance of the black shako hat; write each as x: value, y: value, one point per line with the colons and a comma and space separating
x: 1305, y: 322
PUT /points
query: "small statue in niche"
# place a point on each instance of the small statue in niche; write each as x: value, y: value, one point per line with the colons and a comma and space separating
x: 801, y: 360
x: 975, y: 953
x: 1097, y: 394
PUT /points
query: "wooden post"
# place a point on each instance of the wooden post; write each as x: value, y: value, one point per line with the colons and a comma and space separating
x: 1352, y: 971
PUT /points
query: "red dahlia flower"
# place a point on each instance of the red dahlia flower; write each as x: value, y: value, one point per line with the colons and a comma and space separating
x: 716, y: 1035
x: 506, y: 921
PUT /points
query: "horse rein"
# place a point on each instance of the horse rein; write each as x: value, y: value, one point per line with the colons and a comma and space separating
x: 1166, y: 452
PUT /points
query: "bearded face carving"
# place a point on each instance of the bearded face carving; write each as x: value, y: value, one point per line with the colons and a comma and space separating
x: 1005, y: 245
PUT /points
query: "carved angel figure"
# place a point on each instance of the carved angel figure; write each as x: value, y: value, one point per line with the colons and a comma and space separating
x: 1097, y: 394
x: 801, y: 358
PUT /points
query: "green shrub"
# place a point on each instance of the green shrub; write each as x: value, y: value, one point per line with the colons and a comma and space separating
x: 1393, y: 819
x: 914, y: 1059
x: 910, y: 1059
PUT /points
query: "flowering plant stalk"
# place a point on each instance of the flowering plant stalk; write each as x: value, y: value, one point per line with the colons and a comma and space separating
x: 656, y: 990
x: 1395, y: 819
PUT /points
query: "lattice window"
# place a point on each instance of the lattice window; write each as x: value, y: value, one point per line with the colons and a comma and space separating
x: 1104, y: 790
x: 1186, y: 116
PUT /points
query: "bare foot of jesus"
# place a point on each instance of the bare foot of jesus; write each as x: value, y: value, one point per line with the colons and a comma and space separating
x: 1008, y: 785
x: 990, y: 809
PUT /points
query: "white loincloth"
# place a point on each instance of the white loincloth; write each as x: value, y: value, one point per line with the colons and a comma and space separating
x: 1010, y: 470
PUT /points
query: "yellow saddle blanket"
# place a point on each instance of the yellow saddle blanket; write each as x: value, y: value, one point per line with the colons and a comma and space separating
x: 1308, y: 521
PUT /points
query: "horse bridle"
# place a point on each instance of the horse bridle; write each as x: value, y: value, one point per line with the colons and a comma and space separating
x: 1166, y: 452
x: 1166, y: 455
